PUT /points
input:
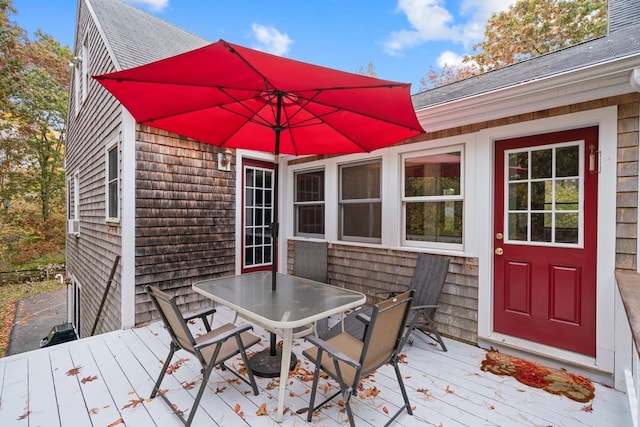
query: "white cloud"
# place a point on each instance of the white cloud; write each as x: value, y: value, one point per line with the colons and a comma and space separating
x: 430, y: 20
x: 449, y: 58
x: 155, y: 5
x: 271, y: 40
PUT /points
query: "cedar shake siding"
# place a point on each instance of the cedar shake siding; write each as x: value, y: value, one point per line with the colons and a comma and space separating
x: 90, y: 255
x: 185, y: 218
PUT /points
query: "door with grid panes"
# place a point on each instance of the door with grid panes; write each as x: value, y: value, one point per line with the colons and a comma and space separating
x: 545, y: 239
x: 257, y: 210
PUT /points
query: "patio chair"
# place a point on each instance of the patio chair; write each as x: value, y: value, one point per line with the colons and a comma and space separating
x: 347, y: 360
x: 211, y: 349
x: 428, y: 280
x: 310, y: 262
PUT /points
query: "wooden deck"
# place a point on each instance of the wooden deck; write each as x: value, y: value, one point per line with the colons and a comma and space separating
x: 106, y: 381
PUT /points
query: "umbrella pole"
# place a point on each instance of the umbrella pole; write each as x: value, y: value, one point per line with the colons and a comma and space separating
x: 267, y: 363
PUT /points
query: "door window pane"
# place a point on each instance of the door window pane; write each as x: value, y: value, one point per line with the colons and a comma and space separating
x: 257, y: 217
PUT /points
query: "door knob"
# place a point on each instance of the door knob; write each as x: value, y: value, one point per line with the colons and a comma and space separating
x: 499, y: 251
x: 499, y: 236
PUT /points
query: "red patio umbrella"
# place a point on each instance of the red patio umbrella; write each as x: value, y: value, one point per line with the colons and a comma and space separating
x: 232, y: 96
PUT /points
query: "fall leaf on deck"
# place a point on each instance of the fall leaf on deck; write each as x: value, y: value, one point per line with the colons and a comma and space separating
x: 341, y: 402
x: 489, y: 406
x: 74, y: 371
x: 520, y: 390
x: 262, y: 410
x: 88, y: 379
x: 174, y: 366
x: 192, y: 322
x: 130, y: 392
x: 220, y: 389
x: 385, y: 410
x: 176, y: 410
x: 23, y: 416
x: 133, y: 403
x: 304, y: 411
x: 242, y: 370
x: 93, y: 411
x: 402, y: 358
x: 155, y: 334
x: 424, y: 391
x: 372, y: 392
x: 588, y: 408
x: 188, y: 385
x: 272, y: 384
x: 237, y: 410
x: 163, y: 391
x: 106, y: 406
x: 116, y: 422
x: 448, y: 390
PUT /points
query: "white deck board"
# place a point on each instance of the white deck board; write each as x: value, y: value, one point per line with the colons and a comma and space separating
x: 445, y: 389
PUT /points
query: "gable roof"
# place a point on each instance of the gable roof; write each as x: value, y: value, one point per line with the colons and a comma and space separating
x: 622, y: 43
x: 136, y: 37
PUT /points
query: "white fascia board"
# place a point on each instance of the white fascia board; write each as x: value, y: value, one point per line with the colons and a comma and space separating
x: 586, y: 84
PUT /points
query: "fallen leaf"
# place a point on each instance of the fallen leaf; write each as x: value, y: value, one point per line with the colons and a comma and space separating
x: 174, y: 366
x: 303, y: 411
x: 385, y: 410
x: 262, y: 410
x: 220, y: 389
x: 588, y: 408
x: 176, y: 410
x: 23, y: 416
x: 236, y: 408
x: 188, y: 385
x: 116, y: 422
x: 74, y: 371
x: 93, y: 411
x: 133, y: 403
x: 88, y: 379
x: 448, y: 390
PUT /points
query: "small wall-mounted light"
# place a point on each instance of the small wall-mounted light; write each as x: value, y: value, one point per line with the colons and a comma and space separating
x: 75, y: 61
x: 224, y: 160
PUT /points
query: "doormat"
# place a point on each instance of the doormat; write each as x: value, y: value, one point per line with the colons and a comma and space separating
x: 556, y: 381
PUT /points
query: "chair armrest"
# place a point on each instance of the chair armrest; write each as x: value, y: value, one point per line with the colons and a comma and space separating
x: 223, y: 336
x: 199, y: 314
x: 332, y: 351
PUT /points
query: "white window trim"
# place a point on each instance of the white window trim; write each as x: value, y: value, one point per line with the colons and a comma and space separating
x: 458, y: 197
x: 114, y: 143
x: 313, y: 203
x: 84, y: 64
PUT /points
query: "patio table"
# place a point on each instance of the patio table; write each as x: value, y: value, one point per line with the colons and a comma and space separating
x: 297, y: 302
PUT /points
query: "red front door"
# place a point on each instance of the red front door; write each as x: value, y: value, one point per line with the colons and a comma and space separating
x: 545, y: 239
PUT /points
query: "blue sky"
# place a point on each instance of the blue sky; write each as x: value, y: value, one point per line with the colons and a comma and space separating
x: 402, y: 38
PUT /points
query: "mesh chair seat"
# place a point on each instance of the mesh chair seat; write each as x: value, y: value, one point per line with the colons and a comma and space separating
x: 211, y: 349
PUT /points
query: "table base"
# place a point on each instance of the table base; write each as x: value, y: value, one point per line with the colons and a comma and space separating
x: 265, y: 365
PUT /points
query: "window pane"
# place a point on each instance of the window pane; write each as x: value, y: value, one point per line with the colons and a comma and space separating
x: 567, y: 161
x: 434, y: 222
x: 113, y: 163
x: 113, y: 199
x: 361, y: 181
x: 541, y: 195
x: 567, y: 195
x: 434, y: 175
x: 518, y: 166
x: 541, y: 164
x: 518, y: 226
x: 362, y: 220
x: 567, y: 227
x: 518, y: 197
x: 309, y: 186
x: 541, y: 227
x: 310, y: 219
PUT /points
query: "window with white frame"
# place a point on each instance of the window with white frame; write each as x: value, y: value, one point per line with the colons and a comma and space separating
x: 432, y: 198
x: 73, y: 204
x: 113, y: 182
x: 85, y: 68
x: 308, y: 203
x: 360, y: 202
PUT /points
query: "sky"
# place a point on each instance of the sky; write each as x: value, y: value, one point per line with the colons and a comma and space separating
x: 401, y: 38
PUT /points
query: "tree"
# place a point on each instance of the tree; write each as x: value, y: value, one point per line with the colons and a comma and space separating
x: 34, y: 85
x: 534, y: 27
x: 448, y: 74
x: 370, y: 71
x: 527, y: 29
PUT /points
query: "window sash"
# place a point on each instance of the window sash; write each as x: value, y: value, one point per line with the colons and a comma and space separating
x: 360, y: 204
x: 433, y: 198
x: 113, y: 183
x: 309, y: 203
